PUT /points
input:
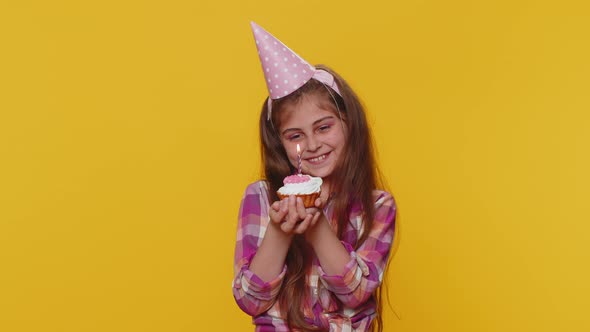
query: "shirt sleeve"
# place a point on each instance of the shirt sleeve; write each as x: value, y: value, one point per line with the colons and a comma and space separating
x: 252, y: 294
x: 364, y: 272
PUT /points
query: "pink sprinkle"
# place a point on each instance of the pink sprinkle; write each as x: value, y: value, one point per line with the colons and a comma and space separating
x: 296, y: 179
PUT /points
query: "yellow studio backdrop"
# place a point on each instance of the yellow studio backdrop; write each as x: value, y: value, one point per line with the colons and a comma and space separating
x: 128, y: 132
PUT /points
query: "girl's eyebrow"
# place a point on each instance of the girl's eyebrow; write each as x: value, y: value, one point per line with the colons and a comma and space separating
x: 313, y: 124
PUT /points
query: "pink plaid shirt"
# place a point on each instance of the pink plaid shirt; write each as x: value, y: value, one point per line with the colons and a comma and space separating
x: 337, y: 302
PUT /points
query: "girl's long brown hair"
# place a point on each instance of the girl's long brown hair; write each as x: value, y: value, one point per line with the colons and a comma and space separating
x: 357, y: 176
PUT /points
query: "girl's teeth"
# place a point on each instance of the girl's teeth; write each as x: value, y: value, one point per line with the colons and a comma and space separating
x: 322, y: 157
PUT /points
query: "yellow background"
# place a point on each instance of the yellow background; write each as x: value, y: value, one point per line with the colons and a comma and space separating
x: 128, y: 134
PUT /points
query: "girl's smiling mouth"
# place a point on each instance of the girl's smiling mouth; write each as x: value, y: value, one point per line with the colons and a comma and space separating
x: 319, y: 159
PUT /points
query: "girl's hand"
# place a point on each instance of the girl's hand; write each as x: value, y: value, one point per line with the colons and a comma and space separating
x: 277, y: 212
x: 292, y: 217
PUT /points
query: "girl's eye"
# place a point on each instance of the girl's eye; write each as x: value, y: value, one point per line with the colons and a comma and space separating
x: 324, y: 128
x: 294, y: 137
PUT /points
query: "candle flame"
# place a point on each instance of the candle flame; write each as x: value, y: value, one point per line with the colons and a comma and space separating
x: 298, y: 149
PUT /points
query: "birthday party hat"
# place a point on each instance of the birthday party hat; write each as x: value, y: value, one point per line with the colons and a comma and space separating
x: 284, y: 70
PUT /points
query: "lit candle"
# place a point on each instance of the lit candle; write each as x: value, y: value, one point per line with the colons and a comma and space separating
x: 299, y: 159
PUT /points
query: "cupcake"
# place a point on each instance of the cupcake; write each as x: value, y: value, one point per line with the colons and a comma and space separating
x: 304, y: 186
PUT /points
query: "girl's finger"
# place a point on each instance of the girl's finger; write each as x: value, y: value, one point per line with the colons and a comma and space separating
x: 301, y: 208
x: 319, y: 203
x: 316, y: 217
x: 293, y: 215
x: 277, y: 216
x: 276, y: 205
x: 287, y: 225
x: 302, y: 226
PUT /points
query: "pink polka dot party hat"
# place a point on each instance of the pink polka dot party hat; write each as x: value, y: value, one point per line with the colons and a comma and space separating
x: 284, y: 70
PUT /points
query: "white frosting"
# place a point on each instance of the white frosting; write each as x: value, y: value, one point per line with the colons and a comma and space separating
x: 314, y: 185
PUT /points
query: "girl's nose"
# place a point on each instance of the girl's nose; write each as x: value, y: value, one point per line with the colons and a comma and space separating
x: 313, y: 144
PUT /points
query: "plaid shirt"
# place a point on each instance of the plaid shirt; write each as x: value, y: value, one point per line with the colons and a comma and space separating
x: 336, y: 302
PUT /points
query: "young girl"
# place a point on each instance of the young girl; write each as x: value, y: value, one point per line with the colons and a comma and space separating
x: 319, y: 268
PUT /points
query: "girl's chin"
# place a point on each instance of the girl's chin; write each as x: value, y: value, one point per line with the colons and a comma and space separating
x: 324, y: 174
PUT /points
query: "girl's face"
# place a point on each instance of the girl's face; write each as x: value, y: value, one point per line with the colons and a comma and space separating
x: 316, y: 127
